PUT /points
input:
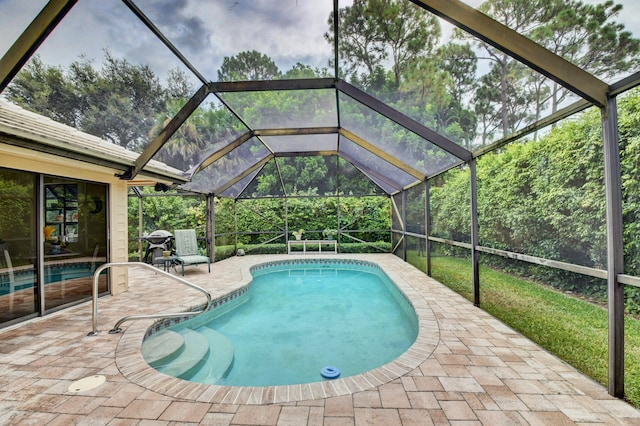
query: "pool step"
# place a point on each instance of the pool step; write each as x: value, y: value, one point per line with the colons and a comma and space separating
x: 162, y: 347
x: 219, y: 360
x: 187, y: 359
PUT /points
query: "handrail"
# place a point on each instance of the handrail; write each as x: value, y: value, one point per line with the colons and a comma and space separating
x: 116, y: 327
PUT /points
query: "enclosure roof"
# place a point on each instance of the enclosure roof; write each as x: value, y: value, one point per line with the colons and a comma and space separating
x: 242, y: 132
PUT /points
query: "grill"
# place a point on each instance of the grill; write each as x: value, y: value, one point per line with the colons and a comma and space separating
x: 157, y: 242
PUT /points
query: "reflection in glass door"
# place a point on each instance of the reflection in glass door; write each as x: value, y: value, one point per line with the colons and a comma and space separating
x: 18, y: 243
x: 75, y: 239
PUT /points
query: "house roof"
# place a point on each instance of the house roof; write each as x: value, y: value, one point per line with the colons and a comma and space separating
x: 27, y: 129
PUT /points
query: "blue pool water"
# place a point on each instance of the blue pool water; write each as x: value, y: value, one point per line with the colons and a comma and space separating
x: 26, y: 278
x: 299, y: 318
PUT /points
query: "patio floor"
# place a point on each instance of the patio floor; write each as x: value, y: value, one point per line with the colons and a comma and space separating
x: 466, y: 368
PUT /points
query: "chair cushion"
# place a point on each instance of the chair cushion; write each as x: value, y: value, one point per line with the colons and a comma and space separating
x: 186, y: 242
x: 193, y: 259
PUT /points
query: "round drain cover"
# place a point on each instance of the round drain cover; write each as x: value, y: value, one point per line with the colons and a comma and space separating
x: 87, y: 383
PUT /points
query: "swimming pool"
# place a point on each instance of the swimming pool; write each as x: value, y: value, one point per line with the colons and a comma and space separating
x: 298, y: 318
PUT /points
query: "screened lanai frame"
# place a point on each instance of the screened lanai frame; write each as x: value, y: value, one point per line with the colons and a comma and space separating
x: 592, y: 90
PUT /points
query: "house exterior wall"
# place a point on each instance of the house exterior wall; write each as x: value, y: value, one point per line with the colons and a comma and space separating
x: 23, y: 159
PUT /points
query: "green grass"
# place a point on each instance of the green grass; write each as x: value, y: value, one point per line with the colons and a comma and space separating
x: 571, y: 328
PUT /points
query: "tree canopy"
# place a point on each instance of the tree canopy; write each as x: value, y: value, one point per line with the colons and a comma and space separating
x: 389, y: 48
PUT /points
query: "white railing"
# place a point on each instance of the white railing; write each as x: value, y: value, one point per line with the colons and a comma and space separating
x: 116, y: 327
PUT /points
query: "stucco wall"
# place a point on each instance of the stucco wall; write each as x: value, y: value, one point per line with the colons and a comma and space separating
x: 23, y: 159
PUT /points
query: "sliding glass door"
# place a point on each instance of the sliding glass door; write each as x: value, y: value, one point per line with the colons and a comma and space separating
x: 75, y: 239
x: 18, y: 245
x: 53, y: 235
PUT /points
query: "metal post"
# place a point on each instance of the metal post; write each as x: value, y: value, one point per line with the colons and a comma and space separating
x: 338, y: 220
x: 427, y: 223
x: 404, y: 224
x: 286, y: 221
x: 475, y: 267
x: 235, y: 225
x: 615, y: 247
x: 140, y: 225
x: 40, y: 220
x: 210, y: 218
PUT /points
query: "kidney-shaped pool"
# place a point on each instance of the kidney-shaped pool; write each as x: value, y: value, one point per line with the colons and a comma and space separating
x: 300, y: 322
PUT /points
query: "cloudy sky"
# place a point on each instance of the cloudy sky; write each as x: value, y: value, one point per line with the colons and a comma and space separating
x: 206, y: 31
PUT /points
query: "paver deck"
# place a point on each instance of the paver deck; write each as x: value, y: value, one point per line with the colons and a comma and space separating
x: 466, y: 368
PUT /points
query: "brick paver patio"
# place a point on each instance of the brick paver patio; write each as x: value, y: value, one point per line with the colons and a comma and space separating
x: 466, y: 368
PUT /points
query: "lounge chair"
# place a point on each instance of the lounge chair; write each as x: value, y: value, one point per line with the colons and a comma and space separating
x: 187, y: 249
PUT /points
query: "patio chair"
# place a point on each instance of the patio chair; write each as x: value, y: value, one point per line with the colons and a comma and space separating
x: 187, y: 249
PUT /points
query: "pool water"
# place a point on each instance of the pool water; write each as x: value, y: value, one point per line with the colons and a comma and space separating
x: 299, y: 320
x: 25, y: 278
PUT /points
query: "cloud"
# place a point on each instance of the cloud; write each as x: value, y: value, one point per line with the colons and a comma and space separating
x: 205, y: 31
x: 172, y: 17
x: 287, y: 31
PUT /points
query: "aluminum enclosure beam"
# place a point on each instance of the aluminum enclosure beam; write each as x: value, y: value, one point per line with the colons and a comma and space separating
x: 326, y: 153
x: 220, y: 153
x: 519, y: 47
x: 152, y: 27
x: 165, y: 134
x: 625, y: 84
x: 296, y: 131
x: 427, y: 223
x: 32, y: 37
x: 371, y: 174
x: 404, y: 121
x: 322, y: 130
x: 615, y: 248
x: 261, y: 132
x: 559, y: 115
x: 382, y: 154
x: 267, y: 85
x: 244, y: 174
x: 475, y: 256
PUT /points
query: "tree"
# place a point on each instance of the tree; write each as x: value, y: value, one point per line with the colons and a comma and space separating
x: 116, y: 101
x: 359, y: 45
x: 169, y: 212
x: 521, y: 16
x: 122, y: 102
x: 501, y: 102
x: 442, y: 84
x: 46, y: 90
x: 203, y: 132
x: 178, y: 85
x: 408, y: 32
x: 374, y: 30
x: 585, y: 35
x: 299, y: 70
x: 248, y: 65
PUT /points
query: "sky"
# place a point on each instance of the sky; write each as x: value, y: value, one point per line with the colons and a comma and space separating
x: 206, y: 31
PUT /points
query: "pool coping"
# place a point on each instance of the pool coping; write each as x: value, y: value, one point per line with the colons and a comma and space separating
x: 131, y: 364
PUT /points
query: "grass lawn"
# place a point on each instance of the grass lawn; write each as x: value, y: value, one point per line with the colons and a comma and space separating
x: 571, y: 328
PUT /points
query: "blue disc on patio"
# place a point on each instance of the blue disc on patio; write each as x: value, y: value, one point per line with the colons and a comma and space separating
x: 330, y: 372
